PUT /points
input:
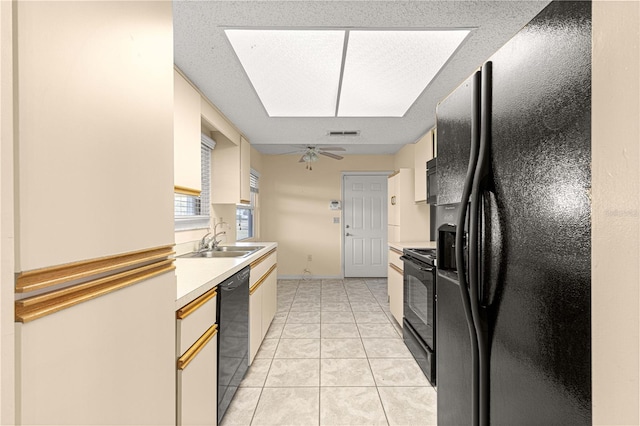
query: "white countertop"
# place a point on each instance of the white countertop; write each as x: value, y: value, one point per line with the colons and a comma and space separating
x: 196, y: 276
x: 412, y: 244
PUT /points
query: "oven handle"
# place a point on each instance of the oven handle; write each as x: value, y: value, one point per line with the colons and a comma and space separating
x: 415, y: 265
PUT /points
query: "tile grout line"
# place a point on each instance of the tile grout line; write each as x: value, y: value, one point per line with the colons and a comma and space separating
x: 320, y: 363
x: 356, y: 293
x: 255, y: 410
x: 386, y: 417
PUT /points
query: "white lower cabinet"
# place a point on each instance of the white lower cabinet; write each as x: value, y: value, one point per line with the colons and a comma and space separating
x: 255, y: 323
x: 197, y: 387
x: 395, y: 294
x: 395, y: 281
x: 269, y: 300
x: 263, y: 299
x: 197, y: 365
x: 106, y: 361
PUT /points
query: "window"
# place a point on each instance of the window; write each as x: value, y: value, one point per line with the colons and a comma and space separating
x: 192, y: 211
x: 246, y: 214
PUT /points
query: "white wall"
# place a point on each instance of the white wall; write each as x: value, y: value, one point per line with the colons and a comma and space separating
x: 615, y: 212
x: 295, y: 209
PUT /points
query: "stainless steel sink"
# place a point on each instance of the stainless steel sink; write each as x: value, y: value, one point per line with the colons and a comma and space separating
x: 224, y: 251
x: 237, y: 248
x: 216, y: 253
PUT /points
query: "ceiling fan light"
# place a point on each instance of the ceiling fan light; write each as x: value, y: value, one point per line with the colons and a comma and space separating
x: 310, y: 157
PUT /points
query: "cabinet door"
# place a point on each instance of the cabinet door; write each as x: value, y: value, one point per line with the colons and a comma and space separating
x: 110, y: 360
x: 245, y: 171
x: 269, y: 300
x: 186, y: 139
x: 198, y: 387
x: 396, y: 298
x: 412, y: 219
x: 255, y: 323
x: 423, y: 153
x: 392, y: 204
x: 192, y: 323
x: 97, y: 120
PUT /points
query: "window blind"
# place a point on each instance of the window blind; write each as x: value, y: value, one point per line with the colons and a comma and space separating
x: 192, y: 212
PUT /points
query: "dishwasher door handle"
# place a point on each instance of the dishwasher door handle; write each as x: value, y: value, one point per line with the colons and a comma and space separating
x: 230, y: 285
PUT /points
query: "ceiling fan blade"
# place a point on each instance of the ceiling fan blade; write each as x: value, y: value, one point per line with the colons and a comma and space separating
x: 328, y: 154
x: 297, y: 151
x: 331, y: 148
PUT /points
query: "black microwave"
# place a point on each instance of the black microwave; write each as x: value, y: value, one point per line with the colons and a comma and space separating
x: 432, y: 182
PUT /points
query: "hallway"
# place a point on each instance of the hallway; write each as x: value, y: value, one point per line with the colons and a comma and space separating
x: 333, y: 356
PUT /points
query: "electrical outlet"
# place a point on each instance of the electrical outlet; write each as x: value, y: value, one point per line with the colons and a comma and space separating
x: 309, y: 258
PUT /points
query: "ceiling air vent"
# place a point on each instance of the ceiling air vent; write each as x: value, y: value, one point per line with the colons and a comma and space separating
x: 345, y: 133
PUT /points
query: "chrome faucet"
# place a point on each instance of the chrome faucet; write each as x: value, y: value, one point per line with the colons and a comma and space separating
x: 215, y: 241
x: 210, y: 241
x: 205, y: 242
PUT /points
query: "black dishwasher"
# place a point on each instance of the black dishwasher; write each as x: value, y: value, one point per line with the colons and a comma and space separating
x: 233, y: 346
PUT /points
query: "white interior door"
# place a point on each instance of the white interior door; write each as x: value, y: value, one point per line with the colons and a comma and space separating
x: 365, y: 225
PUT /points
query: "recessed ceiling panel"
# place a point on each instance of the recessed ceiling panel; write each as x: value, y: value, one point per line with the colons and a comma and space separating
x: 294, y: 72
x: 386, y: 71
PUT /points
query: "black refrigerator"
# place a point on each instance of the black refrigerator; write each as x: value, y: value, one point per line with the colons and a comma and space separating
x: 514, y: 231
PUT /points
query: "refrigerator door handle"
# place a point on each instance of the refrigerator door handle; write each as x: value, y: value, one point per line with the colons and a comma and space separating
x: 475, y: 241
x: 460, y: 246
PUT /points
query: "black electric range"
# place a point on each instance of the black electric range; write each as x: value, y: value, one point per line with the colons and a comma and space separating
x: 425, y: 255
x: 418, y: 325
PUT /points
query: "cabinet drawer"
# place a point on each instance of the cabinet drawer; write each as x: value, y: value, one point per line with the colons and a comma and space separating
x: 260, y: 267
x: 394, y: 257
x: 194, y: 319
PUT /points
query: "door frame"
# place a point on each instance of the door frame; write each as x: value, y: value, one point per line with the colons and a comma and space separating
x: 342, y: 228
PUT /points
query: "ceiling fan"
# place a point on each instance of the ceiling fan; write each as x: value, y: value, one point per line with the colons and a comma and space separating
x: 311, y: 154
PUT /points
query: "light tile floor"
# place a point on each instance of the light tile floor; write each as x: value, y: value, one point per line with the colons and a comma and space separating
x: 333, y: 356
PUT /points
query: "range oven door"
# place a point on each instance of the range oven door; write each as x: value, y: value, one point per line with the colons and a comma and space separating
x: 419, y: 299
x: 419, y: 315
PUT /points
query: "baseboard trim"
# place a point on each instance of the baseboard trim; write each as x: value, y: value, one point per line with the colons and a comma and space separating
x: 310, y: 277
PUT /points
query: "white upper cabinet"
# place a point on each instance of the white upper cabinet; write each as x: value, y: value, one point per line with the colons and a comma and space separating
x: 408, y: 221
x: 245, y: 171
x: 186, y: 130
x: 230, y: 170
x: 230, y: 161
x: 94, y: 110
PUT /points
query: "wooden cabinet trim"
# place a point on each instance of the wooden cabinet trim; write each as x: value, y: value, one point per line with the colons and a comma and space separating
x: 261, y: 259
x: 395, y: 250
x: 262, y: 279
x: 42, y: 305
x: 395, y: 268
x: 194, y: 305
x: 186, y: 191
x: 193, y: 351
x: 46, y: 277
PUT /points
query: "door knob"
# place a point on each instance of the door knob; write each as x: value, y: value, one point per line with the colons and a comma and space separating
x: 349, y: 235
x: 346, y: 226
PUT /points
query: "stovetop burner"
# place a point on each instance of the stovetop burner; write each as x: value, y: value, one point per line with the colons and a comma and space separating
x: 426, y: 255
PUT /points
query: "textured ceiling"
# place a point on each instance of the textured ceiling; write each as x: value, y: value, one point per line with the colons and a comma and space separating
x: 203, y: 53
